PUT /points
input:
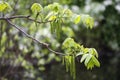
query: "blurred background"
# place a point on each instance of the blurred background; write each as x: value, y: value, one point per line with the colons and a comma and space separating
x: 22, y: 59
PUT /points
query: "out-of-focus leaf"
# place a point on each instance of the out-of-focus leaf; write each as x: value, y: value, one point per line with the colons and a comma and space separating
x: 52, y: 18
x: 77, y: 19
x: 36, y: 8
x: 4, y: 7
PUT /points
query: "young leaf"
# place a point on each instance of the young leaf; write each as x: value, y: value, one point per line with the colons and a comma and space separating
x: 86, y: 50
x: 52, y: 18
x: 89, y: 22
x: 83, y: 57
x: 90, y: 64
x: 67, y: 42
x: 89, y: 56
x: 67, y: 12
x: 54, y: 7
x: 77, y: 19
x: 4, y: 6
x: 68, y: 31
x: 36, y: 8
x: 96, y: 62
x: 95, y: 52
x: 48, y: 15
x: 80, y: 53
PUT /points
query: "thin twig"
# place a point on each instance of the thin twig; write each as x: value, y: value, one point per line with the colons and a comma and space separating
x: 29, y: 36
x: 24, y: 16
x: 13, y: 17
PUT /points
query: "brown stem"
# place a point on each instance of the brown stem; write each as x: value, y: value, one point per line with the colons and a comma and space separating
x: 29, y: 36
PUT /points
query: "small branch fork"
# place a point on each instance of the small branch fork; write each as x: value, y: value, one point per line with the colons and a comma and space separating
x: 26, y: 34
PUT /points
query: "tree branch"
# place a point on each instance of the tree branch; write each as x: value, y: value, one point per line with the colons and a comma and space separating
x: 29, y: 36
x: 24, y: 16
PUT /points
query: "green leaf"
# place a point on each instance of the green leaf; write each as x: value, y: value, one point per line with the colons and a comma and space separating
x: 95, y: 52
x: 67, y: 12
x: 89, y: 22
x: 96, y: 62
x: 48, y: 15
x: 67, y: 42
x: 80, y: 53
x: 77, y: 19
x: 54, y: 7
x: 91, y: 51
x: 89, y: 56
x: 52, y: 18
x: 90, y: 65
x: 68, y: 31
x: 86, y: 50
x: 36, y: 8
x: 83, y: 57
x: 4, y: 6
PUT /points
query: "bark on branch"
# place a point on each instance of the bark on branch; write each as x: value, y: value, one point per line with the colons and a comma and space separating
x: 29, y: 36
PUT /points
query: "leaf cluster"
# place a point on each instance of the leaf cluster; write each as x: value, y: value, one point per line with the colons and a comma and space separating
x: 73, y: 50
x: 55, y: 15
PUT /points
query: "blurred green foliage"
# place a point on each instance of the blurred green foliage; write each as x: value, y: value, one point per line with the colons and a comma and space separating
x: 18, y: 50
